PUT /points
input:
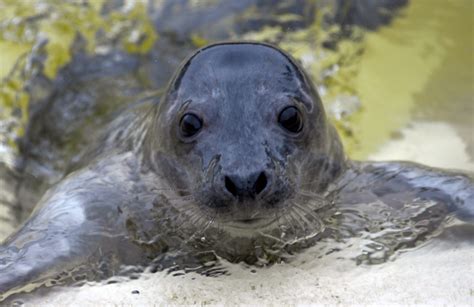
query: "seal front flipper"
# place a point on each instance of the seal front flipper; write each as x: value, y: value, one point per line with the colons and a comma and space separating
x: 407, y: 180
x: 42, y: 245
x: 70, y: 227
x: 454, y: 188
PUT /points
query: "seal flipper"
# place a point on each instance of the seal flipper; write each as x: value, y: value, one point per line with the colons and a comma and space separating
x: 28, y: 257
x: 39, y: 248
x: 454, y: 189
x: 70, y: 227
x: 457, y: 187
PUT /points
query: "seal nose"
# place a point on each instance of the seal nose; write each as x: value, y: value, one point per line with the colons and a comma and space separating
x: 249, y: 186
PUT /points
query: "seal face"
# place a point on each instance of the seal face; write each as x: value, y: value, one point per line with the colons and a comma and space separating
x: 243, y: 133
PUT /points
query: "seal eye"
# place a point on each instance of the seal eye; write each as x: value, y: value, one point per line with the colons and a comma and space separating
x: 190, y: 124
x: 290, y: 119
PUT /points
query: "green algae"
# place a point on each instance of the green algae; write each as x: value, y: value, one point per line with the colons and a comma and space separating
x: 199, y: 41
x: 10, y: 53
x: 26, y: 25
x: 61, y: 22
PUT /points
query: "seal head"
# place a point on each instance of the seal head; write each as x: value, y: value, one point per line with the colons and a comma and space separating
x: 242, y: 133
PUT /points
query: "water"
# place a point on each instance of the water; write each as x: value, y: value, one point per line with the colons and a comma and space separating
x: 417, y: 69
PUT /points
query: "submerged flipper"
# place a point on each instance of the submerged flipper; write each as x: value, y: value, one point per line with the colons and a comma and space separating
x: 453, y: 189
x: 71, y: 227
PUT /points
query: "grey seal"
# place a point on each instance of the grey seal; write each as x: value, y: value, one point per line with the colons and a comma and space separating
x: 237, y: 159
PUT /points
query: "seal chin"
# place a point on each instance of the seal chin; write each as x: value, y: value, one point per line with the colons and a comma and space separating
x: 248, y: 215
x: 250, y: 224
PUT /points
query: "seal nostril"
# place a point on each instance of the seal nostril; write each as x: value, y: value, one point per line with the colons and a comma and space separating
x: 261, y: 183
x: 230, y: 186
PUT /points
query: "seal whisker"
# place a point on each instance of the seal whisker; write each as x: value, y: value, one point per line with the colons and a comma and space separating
x: 318, y: 206
x: 306, y: 194
x: 307, y: 211
x: 180, y: 204
x: 296, y: 217
x: 310, y: 194
x: 196, y: 218
x: 191, y: 215
x: 316, y: 218
x: 169, y: 189
x: 188, y: 197
x: 289, y: 221
x: 302, y: 213
x: 310, y: 182
x: 209, y: 223
x: 315, y: 221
